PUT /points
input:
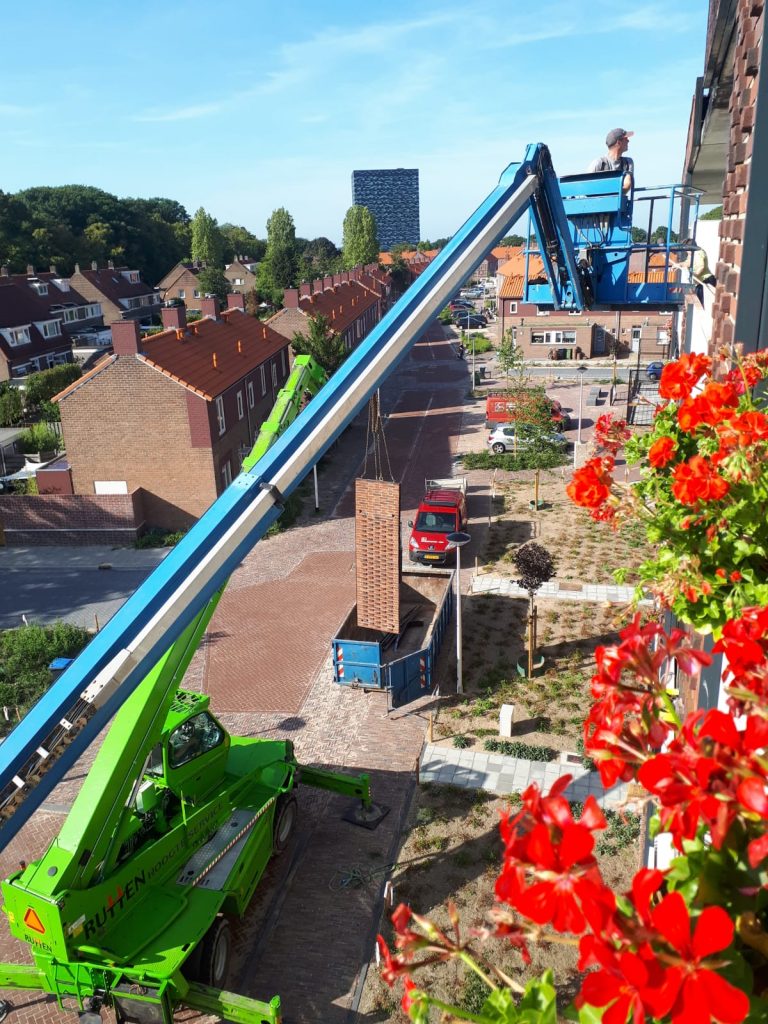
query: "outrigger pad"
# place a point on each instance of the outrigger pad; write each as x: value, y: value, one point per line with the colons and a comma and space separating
x: 370, y: 817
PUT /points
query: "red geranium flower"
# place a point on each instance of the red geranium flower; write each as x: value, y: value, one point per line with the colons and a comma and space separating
x: 661, y: 452
x: 709, y: 408
x: 590, y: 486
x: 695, y: 481
x: 679, y: 379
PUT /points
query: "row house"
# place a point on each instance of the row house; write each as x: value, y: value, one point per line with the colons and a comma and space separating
x: 489, y: 266
x: 642, y: 334
x: 181, y: 283
x: 353, y: 302
x: 175, y: 413
x: 416, y: 260
x: 120, y: 291
x: 38, y: 315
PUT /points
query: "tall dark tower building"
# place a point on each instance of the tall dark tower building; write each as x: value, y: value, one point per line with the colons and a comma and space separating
x: 392, y: 196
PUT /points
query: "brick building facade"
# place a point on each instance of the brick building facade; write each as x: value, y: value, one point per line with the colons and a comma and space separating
x: 120, y: 291
x: 173, y: 414
x: 181, y: 283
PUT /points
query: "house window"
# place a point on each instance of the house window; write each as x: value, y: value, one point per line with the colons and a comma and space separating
x: 239, y: 280
x: 240, y: 409
x: 226, y: 474
x: 282, y: 363
x: 51, y: 329
x: 273, y: 367
x: 542, y: 312
x: 251, y: 397
x: 662, y: 336
x: 220, y: 415
x: 553, y: 338
x: 196, y: 293
x: 636, y: 332
x: 263, y: 380
x: 182, y: 294
x: 574, y: 312
x: 18, y: 336
x: 512, y: 307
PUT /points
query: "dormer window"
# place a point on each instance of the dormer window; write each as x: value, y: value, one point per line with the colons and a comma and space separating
x: 131, y: 275
x: 39, y: 286
x: 61, y: 283
x: 51, y: 328
x: 16, y: 336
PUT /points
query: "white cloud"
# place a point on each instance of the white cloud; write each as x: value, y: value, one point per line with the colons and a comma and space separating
x: 181, y: 113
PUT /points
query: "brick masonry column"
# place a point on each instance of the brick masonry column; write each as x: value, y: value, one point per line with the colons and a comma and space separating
x: 751, y: 19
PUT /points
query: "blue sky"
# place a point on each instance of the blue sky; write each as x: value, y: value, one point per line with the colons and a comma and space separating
x: 274, y: 104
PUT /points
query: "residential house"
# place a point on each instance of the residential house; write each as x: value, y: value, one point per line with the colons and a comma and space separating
x: 120, y: 291
x: 241, y: 274
x: 642, y: 334
x: 175, y: 413
x: 38, y: 314
x: 181, y: 283
x: 353, y: 302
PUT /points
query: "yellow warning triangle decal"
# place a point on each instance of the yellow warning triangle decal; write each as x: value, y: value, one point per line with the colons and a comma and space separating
x: 31, y: 920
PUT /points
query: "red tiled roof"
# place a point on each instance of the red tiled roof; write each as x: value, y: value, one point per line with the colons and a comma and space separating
x: 506, y: 252
x: 239, y: 343
x: 114, y: 285
x: 342, y: 304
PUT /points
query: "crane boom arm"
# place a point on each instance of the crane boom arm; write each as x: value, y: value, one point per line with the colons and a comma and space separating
x: 49, y: 740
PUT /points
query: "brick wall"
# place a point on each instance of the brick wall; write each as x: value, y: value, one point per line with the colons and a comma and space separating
x: 36, y: 519
x: 750, y: 24
x: 130, y: 423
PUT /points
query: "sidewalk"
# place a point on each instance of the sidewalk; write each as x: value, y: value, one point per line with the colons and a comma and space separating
x: 97, y: 556
x: 502, y: 775
x: 556, y: 590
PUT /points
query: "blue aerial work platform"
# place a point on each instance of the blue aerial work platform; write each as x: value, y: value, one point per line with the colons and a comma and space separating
x: 568, y: 217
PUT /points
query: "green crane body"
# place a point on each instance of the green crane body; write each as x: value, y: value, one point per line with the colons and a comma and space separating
x: 169, y: 835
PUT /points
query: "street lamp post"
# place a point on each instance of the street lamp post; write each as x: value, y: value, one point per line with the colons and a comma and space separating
x: 581, y: 371
x: 457, y: 541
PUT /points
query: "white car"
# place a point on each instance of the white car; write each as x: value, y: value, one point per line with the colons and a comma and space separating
x: 502, y: 437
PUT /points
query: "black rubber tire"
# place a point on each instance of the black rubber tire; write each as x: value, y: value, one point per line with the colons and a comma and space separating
x: 498, y: 448
x: 286, y: 816
x: 212, y: 966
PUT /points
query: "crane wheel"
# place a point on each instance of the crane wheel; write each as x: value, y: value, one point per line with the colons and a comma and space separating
x: 286, y: 816
x: 213, y: 964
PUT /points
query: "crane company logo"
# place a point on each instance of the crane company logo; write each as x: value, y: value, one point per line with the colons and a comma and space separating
x: 93, y: 925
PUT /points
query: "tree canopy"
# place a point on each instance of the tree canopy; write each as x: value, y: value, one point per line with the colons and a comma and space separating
x: 211, y: 281
x: 207, y: 243
x: 322, y: 343
x: 238, y: 241
x: 278, y: 269
x: 361, y: 242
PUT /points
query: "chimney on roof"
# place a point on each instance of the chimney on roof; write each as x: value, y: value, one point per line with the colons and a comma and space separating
x: 174, y: 317
x: 327, y: 282
x: 126, y: 338
x: 305, y: 290
x: 110, y: 265
x: 317, y: 285
x: 3, y: 271
x: 291, y: 298
x: 209, y: 306
x: 94, y: 265
x: 30, y: 270
x: 345, y: 276
x: 336, y: 279
x: 53, y: 269
x: 235, y: 300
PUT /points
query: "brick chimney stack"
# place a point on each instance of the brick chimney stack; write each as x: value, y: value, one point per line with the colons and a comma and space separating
x: 126, y: 338
x: 174, y: 317
x: 30, y: 270
x: 94, y: 265
x: 209, y: 306
x: 236, y: 301
x: 291, y: 298
x: 305, y: 290
x: 52, y: 268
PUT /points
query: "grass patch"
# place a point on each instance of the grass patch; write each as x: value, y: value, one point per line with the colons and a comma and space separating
x: 543, y: 456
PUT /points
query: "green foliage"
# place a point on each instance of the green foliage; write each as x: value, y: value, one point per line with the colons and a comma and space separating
x: 42, y: 386
x: 238, y: 241
x: 623, y: 831
x: 38, y: 438
x: 158, y: 539
x: 716, y: 213
x: 481, y: 344
x: 360, y: 243
x: 534, y: 456
x: 288, y: 517
x: 278, y: 270
x: 211, y: 281
x: 322, y: 343
x: 512, y: 358
x: 512, y: 240
x: 639, y: 235
x: 514, y: 748
x: 445, y: 316
x: 460, y: 742
x: 25, y: 655
x: 11, y: 406
x: 207, y: 243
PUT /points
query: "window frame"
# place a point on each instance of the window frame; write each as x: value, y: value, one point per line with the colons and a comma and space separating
x: 221, y: 415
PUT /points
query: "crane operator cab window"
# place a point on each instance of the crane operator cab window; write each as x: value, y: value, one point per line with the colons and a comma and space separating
x: 192, y: 738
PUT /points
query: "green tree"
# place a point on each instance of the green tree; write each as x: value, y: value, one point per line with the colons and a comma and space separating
x: 279, y: 267
x: 238, y: 241
x: 716, y: 213
x: 25, y: 655
x: 639, y: 235
x: 659, y: 236
x: 322, y: 343
x: 319, y: 257
x: 207, y: 241
x: 399, y: 275
x: 360, y: 243
x: 11, y: 406
x: 512, y: 358
x: 42, y: 386
x: 211, y: 281
x: 512, y: 240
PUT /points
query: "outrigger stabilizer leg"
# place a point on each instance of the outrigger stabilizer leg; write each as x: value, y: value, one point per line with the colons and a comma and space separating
x: 367, y: 814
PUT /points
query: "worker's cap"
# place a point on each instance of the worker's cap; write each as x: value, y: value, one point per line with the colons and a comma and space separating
x: 615, y: 134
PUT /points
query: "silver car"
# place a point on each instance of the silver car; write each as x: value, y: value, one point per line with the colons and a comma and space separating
x: 502, y: 437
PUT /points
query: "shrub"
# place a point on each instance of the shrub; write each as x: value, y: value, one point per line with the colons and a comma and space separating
x: 11, y: 406
x: 25, y: 655
x: 461, y: 742
x: 514, y: 748
x: 482, y: 344
x: 41, y: 387
x: 543, y: 456
x: 158, y: 539
x: 38, y: 438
